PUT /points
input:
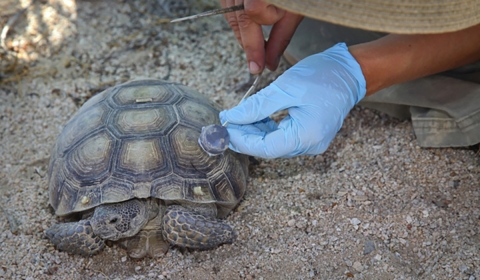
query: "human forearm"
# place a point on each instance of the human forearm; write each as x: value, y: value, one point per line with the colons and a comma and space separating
x: 398, y: 58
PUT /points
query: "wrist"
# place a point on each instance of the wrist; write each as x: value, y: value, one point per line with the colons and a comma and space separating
x: 374, y: 70
x: 341, y: 54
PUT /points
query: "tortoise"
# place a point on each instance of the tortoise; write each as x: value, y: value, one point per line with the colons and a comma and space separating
x: 129, y: 165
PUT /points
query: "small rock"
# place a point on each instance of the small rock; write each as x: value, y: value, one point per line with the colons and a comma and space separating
x: 275, y: 251
x: 355, y: 221
x: 369, y: 247
x: 425, y: 213
x: 454, y: 183
x: 333, y: 238
x: 291, y: 223
x: 300, y: 224
x: 409, y: 219
x: 378, y: 257
x: 358, y: 266
x: 360, y: 198
x: 465, y: 269
x: 341, y: 193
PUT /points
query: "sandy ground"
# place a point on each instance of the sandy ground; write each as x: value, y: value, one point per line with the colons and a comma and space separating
x: 374, y: 206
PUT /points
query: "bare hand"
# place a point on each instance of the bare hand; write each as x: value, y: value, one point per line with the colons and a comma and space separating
x: 247, y: 24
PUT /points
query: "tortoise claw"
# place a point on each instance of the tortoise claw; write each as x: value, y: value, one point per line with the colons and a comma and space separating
x: 75, y: 238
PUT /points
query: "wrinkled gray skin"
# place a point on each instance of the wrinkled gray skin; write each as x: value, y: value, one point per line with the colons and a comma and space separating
x: 120, y: 220
x: 144, y: 226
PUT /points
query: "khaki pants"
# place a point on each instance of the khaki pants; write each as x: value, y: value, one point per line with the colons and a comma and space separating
x: 444, y: 108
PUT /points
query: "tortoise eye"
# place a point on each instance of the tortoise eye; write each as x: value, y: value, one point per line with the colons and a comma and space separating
x: 113, y: 221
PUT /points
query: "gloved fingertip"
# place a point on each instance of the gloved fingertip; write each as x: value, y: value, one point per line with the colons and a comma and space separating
x: 237, y: 115
x: 222, y: 117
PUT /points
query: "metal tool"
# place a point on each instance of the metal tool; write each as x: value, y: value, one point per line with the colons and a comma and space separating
x: 249, y: 91
x: 211, y: 13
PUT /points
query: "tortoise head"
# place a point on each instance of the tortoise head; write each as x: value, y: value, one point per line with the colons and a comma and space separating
x: 119, y: 220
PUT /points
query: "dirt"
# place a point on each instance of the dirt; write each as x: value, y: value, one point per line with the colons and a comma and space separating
x: 374, y: 206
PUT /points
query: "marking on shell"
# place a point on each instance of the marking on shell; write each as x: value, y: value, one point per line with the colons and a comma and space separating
x: 85, y: 200
x: 198, y: 191
x: 143, y: 100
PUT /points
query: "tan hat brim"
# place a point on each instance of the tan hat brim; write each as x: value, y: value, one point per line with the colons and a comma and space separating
x: 401, y: 16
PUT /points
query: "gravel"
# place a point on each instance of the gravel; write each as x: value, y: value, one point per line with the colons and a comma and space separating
x: 374, y: 206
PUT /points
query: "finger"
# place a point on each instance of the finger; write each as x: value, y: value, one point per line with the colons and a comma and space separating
x: 260, y: 106
x: 246, y: 128
x: 223, y: 3
x: 263, y: 13
x: 271, y: 145
x: 232, y: 19
x: 266, y: 124
x: 280, y: 36
x: 260, y: 128
x: 252, y: 41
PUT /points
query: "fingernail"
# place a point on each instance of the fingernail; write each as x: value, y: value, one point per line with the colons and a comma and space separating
x: 253, y: 67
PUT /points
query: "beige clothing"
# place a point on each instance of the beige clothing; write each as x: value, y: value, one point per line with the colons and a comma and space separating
x: 444, y: 108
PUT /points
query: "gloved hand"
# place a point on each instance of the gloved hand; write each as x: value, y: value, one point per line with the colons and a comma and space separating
x: 318, y: 92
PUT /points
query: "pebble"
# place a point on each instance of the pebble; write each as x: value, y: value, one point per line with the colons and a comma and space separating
x: 355, y: 221
x: 291, y: 223
x: 358, y: 266
x: 465, y: 269
x: 425, y: 213
x: 409, y: 219
x: 369, y: 247
x: 360, y: 198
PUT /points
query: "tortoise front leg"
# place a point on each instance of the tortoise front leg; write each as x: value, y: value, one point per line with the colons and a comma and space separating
x: 186, y: 228
x: 75, y: 238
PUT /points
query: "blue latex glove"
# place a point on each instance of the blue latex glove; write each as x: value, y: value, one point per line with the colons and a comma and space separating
x: 318, y: 92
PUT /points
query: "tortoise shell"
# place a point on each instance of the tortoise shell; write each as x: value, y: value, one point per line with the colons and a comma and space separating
x: 139, y: 140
